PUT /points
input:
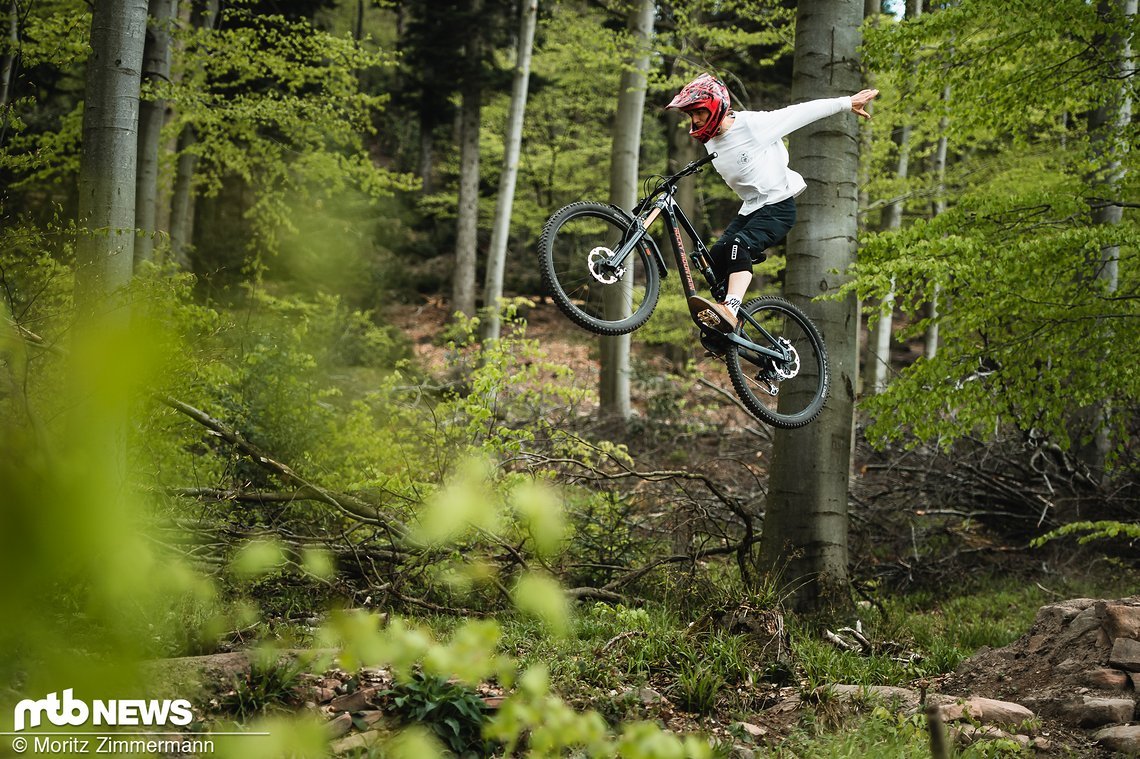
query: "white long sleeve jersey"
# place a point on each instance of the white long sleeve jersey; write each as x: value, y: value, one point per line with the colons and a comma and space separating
x: 751, y: 156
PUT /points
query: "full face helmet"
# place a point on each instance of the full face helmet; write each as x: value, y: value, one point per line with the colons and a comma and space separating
x: 708, y: 92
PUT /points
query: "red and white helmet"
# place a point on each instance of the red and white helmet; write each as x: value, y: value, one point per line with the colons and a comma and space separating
x: 708, y: 92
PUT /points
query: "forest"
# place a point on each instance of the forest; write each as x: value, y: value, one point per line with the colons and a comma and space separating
x: 298, y: 446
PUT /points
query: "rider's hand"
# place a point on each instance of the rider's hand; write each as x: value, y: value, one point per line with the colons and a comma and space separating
x: 860, y: 100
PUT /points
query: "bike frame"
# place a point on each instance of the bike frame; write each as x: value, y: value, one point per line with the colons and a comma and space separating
x: 661, y: 203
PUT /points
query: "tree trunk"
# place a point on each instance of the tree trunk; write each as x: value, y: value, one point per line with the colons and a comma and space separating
x: 202, y: 16
x: 878, y: 362
x: 467, y: 234
x: 8, y: 65
x: 1106, y: 125
x: 805, y: 525
x: 497, y: 256
x: 935, y: 305
x: 105, y: 248
x: 105, y: 242
x: 152, y: 114
x: 613, y: 390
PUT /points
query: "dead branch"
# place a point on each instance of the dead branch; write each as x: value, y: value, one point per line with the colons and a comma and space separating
x: 350, y: 506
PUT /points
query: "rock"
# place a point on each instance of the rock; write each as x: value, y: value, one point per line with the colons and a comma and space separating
x: 370, y: 717
x: 338, y: 725
x: 1125, y: 654
x: 754, y: 730
x: 740, y: 751
x: 1123, y: 740
x: 1105, y: 679
x: 1096, y: 712
x: 964, y: 735
x: 355, y: 742
x: 352, y: 702
x: 988, y: 711
x: 1135, y: 677
x: 1122, y: 621
x: 321, y: 695
x: 902, y: 698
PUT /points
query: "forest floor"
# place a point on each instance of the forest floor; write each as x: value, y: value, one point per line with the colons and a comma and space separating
x: 949, y: 597
x: 925, y: 584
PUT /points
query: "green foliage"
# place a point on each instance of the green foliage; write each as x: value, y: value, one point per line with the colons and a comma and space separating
x: 456, y: 714
x: 272, y: 684
x: 1102, y: 530
x: 697, y: 687
x: 883, y: 733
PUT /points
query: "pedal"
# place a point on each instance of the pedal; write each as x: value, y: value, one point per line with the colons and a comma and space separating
x: 706, y: 316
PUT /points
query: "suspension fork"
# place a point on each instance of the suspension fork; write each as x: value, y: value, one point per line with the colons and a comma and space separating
x: 642, y: 229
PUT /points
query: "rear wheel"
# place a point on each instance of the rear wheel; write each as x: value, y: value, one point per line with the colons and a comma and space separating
x: 786, y: 394
x: 575, y: 244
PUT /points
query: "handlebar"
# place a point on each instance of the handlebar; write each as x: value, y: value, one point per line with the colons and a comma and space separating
x: 668, y: 183
x: 692, y: 168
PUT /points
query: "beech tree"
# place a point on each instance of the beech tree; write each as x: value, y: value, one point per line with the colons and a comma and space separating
x: 1035, y: 332
x: 504, y: 203
x: 613, y: 390
x: 105, y: 248
x: 805, y: 522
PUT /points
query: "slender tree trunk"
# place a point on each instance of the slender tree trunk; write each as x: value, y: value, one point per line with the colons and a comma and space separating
x: 613, y: 390
x: 805, y: 523
x: 500, y: 232
x: 1106, y: 124
x: 934, y: 307
x: 878, y: 364
x: 8, y: 64
x: 203, y: 15
x: 152, y: 114
x: 467, y: 234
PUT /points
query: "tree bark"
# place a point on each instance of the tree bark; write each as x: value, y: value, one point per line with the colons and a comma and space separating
x: 152, y: 114
x: 1106, y: 124
x: 805, y: 526
x: 613, y: 390
x: 500, y: 232
x: 934, y: 307
x: 105, y: 248
x: 878, y: 362
x: 8, y: 65
x: 467, y: 232
x: 182, y: 201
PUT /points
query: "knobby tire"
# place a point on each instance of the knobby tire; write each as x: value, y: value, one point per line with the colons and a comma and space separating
x: 564, y: 250
x: 799, y: 399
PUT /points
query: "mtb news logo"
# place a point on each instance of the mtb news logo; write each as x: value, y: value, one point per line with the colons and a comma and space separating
x: 73, y: 712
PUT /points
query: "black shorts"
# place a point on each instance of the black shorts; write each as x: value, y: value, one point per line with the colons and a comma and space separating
x: 747, y: 237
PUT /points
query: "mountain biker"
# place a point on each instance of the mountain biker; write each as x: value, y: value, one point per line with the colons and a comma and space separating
x: 752, y: 160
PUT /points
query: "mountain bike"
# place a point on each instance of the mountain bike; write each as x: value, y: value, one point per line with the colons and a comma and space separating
x: 604, y: 272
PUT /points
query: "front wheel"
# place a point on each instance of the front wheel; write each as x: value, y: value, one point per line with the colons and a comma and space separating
x: 575, y: 245
x: 788, y: 393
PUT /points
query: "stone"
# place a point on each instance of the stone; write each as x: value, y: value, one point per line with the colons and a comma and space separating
x: 1135, y: 677
x: 352, y: 702
x: 754, y: 730
x: 1091, y: 712
x: 903, y: 698
x: 1106, y: 679
x: 1122, y: 621
x: 1124, y: 739
x: 338, y: 725
x: 360, y: 741
x: 1085, y: 622
x: 1125, y: 654
x: 967, y: 734
x: 987, y: 711
x: 321, y: 695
